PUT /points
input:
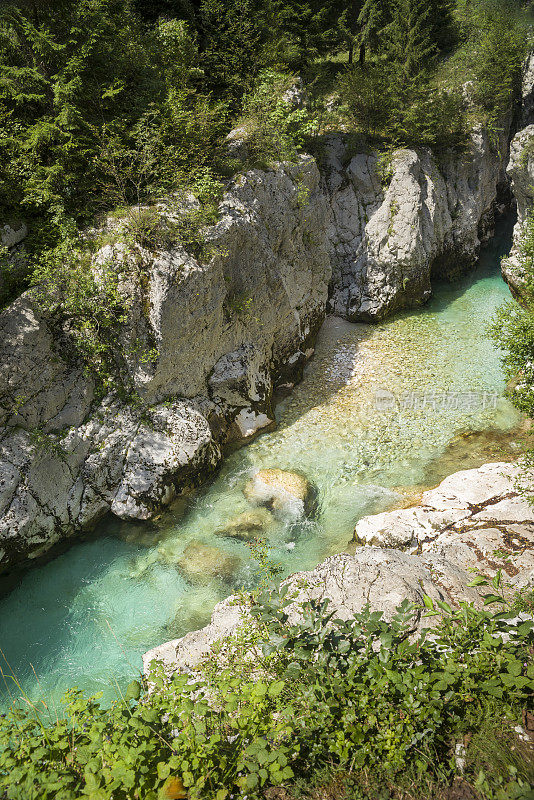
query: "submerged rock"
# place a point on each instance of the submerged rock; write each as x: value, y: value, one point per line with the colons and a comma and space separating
x: 286, y: 493
x: 201, y: 562
x: 246, y: 525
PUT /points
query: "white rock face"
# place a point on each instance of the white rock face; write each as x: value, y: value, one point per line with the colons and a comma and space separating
x: 472, y: 515
x: 475, y: 518
x: 521, y: 174
x: 388, y: 240
x: 218, y: 334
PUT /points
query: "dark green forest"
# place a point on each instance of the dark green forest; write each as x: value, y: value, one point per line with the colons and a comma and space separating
x: 108, y: 103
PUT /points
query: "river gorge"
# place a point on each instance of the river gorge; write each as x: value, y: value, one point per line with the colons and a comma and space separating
x: 382, y: 412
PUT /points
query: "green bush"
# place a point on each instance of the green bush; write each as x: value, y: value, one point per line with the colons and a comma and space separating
x: 81, y: 302
x: 319, y: 694
x: 274, y: 131
x: 512, y: 328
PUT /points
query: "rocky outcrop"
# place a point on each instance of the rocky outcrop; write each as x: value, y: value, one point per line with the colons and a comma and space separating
x: 204, y: 344
x: 471, y: 516
x: 398, y: 223
x: 520, y: 172
x: 476, y: 519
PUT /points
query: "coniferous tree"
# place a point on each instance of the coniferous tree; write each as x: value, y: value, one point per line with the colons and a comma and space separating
x: 406, y: 41
x: 372, y: 19
x: 349, y: 25
x: 233, y: 36
x: 308, y: 28
x: 152, y: 10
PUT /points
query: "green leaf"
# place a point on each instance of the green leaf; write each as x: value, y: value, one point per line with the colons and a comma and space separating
x: 480, y: 580
x: 133, y: 692
x: 164, y: 770
x: 251, y: 780
x: 491, y: 598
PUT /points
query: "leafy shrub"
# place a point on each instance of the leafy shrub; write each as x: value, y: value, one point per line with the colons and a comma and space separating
x: 275, y: 131
x: 319, y: 693
x: 512, y: 328
x: 82, y: 301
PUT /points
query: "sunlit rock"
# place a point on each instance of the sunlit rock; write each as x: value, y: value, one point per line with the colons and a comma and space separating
x: 286, y: 493
x: 477, y: 518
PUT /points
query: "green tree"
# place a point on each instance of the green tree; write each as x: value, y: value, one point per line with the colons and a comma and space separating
x: 152, y: 10
x: 372, y: 19
x: 349, y: 26
x: 233, y: 39
x: 406, y: 41
x: 309, y: 29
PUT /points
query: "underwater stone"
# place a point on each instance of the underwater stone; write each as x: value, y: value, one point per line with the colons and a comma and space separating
x: 201, y: 562
x: 245, y: 526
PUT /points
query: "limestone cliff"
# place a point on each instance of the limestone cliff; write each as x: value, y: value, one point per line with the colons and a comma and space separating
x: 291, y: 243
x: 429, y: 219
x: 521, y: 176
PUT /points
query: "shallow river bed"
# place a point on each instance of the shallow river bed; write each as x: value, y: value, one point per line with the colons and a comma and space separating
x: 382, y: 412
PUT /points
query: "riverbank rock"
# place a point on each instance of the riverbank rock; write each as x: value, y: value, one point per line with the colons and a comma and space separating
x: 473, y: 519
x: 201, y: 562
x: 286, y: 493
x: 247, y: 526
x: 521, y: 174
x: 468, y: 519
x: 398, y: 223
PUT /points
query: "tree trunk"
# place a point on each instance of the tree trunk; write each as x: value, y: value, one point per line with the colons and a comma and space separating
x: 362, y: 55
x: 351, y: 52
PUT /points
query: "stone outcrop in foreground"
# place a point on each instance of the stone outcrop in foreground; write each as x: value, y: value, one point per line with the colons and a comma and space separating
x: 474, y: 520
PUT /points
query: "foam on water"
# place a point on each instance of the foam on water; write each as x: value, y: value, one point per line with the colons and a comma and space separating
x: 380, y: 407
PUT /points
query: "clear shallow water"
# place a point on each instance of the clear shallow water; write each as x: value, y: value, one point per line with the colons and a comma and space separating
x: 382, y: 410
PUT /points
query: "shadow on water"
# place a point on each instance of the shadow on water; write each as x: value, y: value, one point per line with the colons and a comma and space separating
x: 86, y: 616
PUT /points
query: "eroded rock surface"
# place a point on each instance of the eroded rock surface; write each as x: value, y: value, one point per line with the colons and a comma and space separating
x: 219, y: 335
x: 469, y: 518
x: 394, y: 225
x: 473, y: 519
x: 521, y: 174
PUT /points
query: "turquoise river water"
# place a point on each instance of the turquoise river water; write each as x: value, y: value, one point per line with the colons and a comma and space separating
x: 382, y: 411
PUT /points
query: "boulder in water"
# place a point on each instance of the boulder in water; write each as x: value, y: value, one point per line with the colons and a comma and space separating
x: 202, y: 562
x: 286, y: 493
x: 246, y: 525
